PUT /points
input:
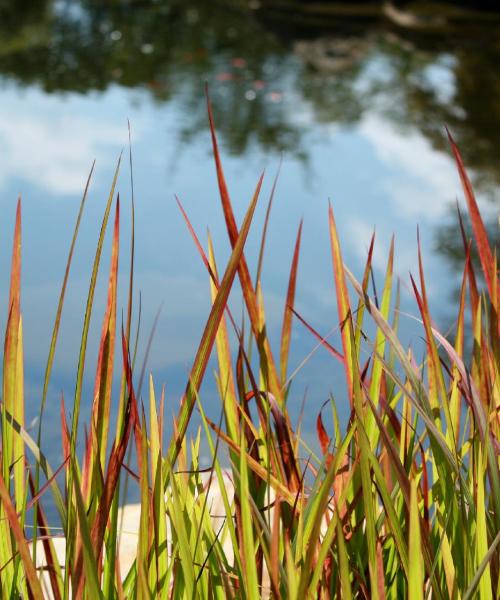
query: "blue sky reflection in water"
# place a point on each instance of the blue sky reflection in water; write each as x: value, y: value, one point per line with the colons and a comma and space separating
x: 378, y: 170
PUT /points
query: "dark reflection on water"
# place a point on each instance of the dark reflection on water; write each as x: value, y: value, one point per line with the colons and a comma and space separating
x: 172, y: 47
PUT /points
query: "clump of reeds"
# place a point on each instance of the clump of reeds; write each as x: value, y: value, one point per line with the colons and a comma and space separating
x: 403, y: 502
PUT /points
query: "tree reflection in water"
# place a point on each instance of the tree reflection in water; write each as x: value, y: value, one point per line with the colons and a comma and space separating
x: 260, y: 69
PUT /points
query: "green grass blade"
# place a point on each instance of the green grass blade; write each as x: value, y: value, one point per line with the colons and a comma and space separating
x: 416, y: 575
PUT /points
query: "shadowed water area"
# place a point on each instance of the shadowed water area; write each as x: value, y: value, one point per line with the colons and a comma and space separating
x: 353, y: 100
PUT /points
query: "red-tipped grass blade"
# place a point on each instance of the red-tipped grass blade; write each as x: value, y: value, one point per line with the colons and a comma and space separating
x: 321, y: 339
x: 286, y: 330
x: 249, y: 293
x: 343, y: 302
x: 480, y: 234
x: 208, y: 337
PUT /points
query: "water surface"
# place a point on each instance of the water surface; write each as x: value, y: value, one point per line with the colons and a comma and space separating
x: 356, y: 114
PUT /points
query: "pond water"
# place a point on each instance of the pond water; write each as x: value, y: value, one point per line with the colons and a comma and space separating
x: 356, y: 114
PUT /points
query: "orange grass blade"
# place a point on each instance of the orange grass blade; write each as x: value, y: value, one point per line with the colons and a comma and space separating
x: 343, y: 302
x: 319, y: 337
x: 287, y: 317
x: 209, y: 334
x: 323, y: 437
x: 104, y: 372
x: 226, y: 374
x: 10, y: 357
x: 212, y: 271
x: 480, y: 234
x: 473, y: 291
x: 364, y: 283
x: 106, y: 351
x: 197, y: 242
x: 115, y: 461
x: 249, y: 293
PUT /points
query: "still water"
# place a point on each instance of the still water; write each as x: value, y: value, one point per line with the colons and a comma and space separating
x: 355, y: 112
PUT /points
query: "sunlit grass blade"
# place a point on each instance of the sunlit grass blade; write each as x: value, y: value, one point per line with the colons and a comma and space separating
x: 377, y: 368
x: 18, y: 454
x: 481, y: 531
x: 42, y: 460
x: 84, y: 580
x: 159, y: 510
x: 88, y: 312
x: 249, y: 292
x: 211, y: 328
x: 10, y: 356
x: 321, y: 339
x: 223, y: 491
x: 416, y: 574
x: 364, y: 284
x: 315, y: 509
x: 226, y: 375
x: 345, y: 582
x: 104, y: 373
x: 480, y: 234
x: 455, y: 395
x: 366, y: 482
x: 343, y: 302
x: 143, y: 543
x: 489, y: 556
x: 104, y: 376
x: 12, y: 412
x: 438, y: 395
x: 247, y: 552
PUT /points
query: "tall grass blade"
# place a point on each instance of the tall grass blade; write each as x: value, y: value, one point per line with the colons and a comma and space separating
x: 249, y: 293
x: 286, y: 330
x: 210, y: 332
x: 416, y: 575
x: 343, y: 302
x: 480, y: 234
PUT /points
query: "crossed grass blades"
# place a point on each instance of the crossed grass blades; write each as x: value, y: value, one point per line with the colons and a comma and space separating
x: 405, y: 502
